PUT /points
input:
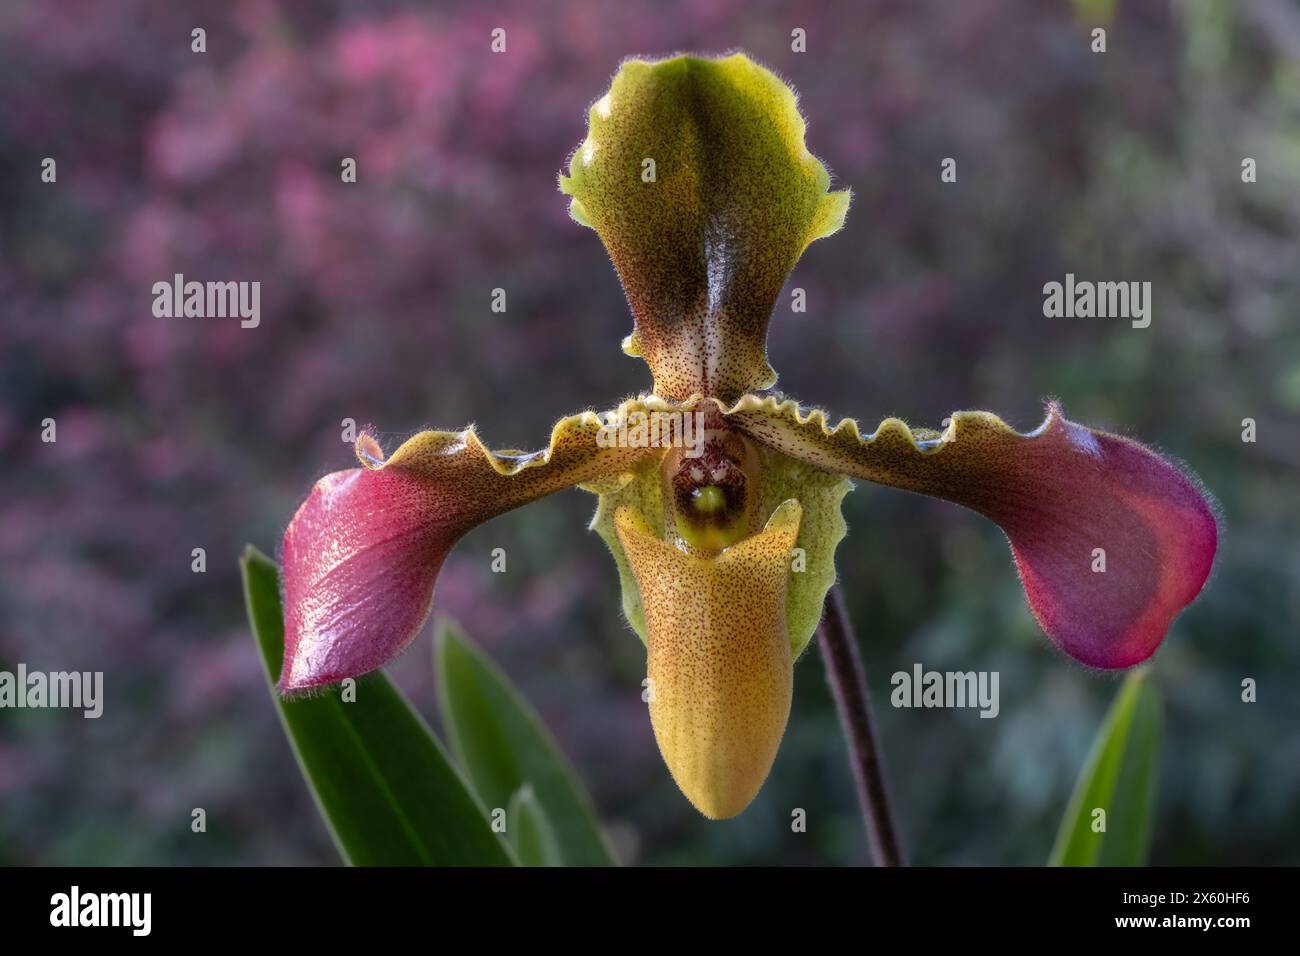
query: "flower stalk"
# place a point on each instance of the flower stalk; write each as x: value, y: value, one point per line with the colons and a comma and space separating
x: 848, y: 685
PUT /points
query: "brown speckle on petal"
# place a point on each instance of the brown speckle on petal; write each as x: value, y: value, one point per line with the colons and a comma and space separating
x: 719, y: 661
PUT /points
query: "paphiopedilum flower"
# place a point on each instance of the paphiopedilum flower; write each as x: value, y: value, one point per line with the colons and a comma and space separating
x: 695, y: 176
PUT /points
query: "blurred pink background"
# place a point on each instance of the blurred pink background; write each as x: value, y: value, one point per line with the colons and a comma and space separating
x: 183, y: 433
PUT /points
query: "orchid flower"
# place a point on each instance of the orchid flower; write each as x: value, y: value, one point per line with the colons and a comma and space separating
x: 695, y: 176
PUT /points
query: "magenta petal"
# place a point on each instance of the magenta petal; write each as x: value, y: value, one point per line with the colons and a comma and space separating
x: 1107, y: 494
x: 360, y: 560
x: 1071, y: 500
x: 362, y: 553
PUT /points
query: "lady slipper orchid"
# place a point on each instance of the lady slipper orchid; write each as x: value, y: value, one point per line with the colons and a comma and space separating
x: 695, y: 176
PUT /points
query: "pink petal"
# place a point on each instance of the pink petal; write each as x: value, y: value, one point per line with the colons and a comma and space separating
x: 360, y: 560
x: 1064, y: 494
x: 363, y: 552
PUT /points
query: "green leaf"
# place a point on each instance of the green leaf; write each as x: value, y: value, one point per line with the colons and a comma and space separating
x: 381, y: 780
x: 530, y: 831
x: 1118, y: 777
x: 502, y: 745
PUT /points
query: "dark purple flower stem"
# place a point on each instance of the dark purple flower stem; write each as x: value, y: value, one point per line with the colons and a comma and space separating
x: 848, y: 683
